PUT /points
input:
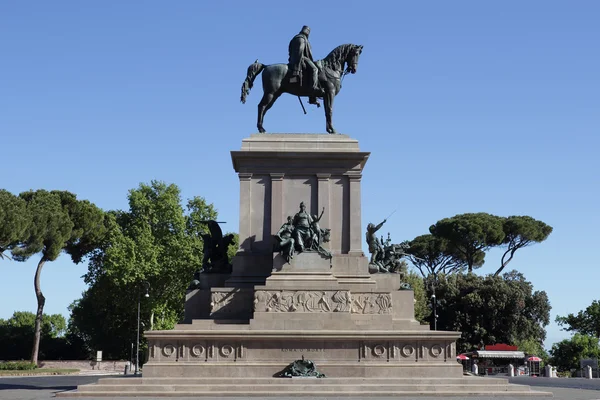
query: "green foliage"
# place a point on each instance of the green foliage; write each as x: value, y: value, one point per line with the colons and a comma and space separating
x: 521, y: 231
x: 19, y: 332
x: 14, y: 221
x: 156, y: 241
x: 58, y: 222
x: 490, y: 309
x: 566, y: 354
x: 17, y: 366
x: 470, y: 235
x: 586, y: 322
x: 422, y: 310
x: 533, y: 347
x: 432, y: 255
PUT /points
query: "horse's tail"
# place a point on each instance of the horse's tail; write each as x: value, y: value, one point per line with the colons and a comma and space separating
x: 253, y: 71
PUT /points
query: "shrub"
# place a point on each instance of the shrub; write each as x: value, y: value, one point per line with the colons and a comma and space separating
x: 563, y: 374
x: 17, y: 366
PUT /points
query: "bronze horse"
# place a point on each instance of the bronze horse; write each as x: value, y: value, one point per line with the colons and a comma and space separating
x: 275, y: 79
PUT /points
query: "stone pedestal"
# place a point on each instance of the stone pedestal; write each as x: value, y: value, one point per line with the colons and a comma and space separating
x: 242, y: 329
x: 277, y: 172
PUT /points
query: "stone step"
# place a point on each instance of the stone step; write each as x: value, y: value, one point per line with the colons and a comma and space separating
x: 285, y: 388
x: 308, y: 393
x: 302, y: 381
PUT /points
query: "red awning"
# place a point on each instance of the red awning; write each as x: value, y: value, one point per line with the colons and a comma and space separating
x: 534, y: 358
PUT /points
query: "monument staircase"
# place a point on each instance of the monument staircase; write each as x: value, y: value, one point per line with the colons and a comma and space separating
x: 242, y: 330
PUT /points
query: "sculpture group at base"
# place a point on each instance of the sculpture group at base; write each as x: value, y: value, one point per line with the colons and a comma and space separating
x: 302, y: 233
x: 385, y: 256
x: 214, y: 257
x: 300, y: 368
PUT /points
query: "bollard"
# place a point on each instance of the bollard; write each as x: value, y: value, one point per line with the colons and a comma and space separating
x: 126, y: 369
x: 511, y: 370
x: 588, y: 370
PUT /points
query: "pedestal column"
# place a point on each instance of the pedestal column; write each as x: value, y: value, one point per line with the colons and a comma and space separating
x: 245, y: 211
x: 277, y: 211
x: 323, y: 201
x: 356, y: 230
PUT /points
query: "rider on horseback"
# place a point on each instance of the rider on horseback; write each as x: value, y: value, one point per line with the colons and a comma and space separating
x: 300, y: 55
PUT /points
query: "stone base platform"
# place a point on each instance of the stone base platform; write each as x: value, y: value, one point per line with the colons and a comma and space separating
x: 302, y: 387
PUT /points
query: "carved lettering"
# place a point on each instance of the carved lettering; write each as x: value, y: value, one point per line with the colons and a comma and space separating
x: 302, y: 350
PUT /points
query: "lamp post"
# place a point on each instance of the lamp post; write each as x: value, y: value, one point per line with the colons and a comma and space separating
x: 137, y: 354
x: 434, y: 300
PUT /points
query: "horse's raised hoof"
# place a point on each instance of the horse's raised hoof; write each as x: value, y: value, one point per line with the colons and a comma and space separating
x: 261, y: 129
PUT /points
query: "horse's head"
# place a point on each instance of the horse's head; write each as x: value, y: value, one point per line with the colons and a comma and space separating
x: 352, y: 57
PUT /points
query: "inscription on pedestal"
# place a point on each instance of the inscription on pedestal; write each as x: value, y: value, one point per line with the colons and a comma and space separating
x: 302, y: 350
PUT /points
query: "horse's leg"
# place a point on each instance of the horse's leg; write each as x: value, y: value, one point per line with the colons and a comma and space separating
x: 328, y: 101
x: 262, y: 109
x: 265, y: 104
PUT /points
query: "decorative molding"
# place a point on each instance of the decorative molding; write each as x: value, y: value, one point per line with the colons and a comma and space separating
x: 169, y: 350
x: 245, y: 176
x: 436, y: 350
x: 302, y: 301
x: 323, y: 177
x: 197, y: 350
x: 408, y: 351
x: 227, y: 351
x: 379, y: 350
x: 277, y: 176
x: 371, y: 303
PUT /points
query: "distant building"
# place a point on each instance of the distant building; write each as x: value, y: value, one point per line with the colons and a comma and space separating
x: 494, y: 359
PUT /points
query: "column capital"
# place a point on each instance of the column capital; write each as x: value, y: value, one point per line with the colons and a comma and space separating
x: 355, y: 177
x: 245, y: 176
x: 323, y: 177
x: 277, y: 176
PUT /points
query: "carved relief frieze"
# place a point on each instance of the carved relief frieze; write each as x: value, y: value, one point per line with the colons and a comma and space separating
x: 302, y: 301
x: 371, y: 303
x: 231, y: 303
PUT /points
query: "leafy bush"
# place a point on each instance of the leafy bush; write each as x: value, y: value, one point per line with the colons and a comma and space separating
x: 563, y: 374
x: 17, y: 366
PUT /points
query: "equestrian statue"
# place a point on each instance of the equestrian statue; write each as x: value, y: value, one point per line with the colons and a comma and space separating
x: 303, y: 76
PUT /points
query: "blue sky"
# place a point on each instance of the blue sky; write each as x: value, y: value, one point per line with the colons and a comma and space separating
x: 465, y: 106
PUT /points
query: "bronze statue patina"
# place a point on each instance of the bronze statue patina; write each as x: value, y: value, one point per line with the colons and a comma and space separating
x: 214, y: 257
x: 303, y: 368
x: 300, y: 58
x: 324, y: 76
x: 302, y: 233
x: 385, y: 256
x: 375, y: 247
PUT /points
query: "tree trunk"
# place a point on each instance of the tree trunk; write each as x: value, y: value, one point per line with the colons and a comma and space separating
x: 41, y: 300
x: 505, y: 263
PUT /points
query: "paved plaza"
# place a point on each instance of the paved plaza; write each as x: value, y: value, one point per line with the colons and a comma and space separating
x: 44, y: 387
